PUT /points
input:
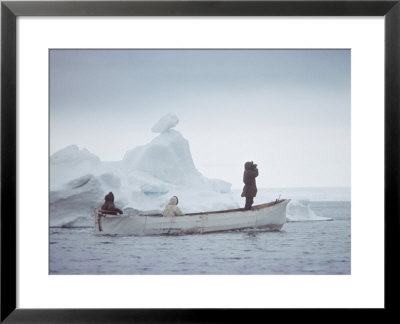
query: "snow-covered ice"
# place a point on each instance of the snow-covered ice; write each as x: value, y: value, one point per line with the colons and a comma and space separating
x: 144, y: 179
x: 300, y: 210
x: 165, y: 123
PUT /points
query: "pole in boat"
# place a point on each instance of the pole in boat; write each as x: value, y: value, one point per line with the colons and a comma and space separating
x: 97, y: 223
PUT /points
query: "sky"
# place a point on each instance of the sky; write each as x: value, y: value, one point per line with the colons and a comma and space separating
x: 287, y: 110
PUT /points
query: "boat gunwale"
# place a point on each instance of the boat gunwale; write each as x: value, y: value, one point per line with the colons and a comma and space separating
x: 254, y: 208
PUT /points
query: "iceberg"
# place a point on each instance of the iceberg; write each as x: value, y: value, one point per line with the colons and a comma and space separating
x: 144, y: 179
x: 300, y: 211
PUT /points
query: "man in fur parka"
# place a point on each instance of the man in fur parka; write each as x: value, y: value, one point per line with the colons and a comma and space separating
x: 172, y: 208
x: 250, y: 187
x: 109, y: 205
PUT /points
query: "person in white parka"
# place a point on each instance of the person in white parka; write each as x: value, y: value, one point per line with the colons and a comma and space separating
x: 172, y: 209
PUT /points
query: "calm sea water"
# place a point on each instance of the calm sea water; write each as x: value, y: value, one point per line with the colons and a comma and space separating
x: 309, y: 247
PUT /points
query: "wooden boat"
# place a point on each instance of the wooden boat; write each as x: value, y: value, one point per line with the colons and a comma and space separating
x: 270, y: 216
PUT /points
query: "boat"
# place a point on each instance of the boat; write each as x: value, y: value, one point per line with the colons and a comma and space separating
x: 270, y: 216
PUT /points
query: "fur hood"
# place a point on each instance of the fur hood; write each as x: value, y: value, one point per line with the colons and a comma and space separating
x: 172, y: 209
x: 173, y: 201
x: 109, y: 197
x: 249, y: 165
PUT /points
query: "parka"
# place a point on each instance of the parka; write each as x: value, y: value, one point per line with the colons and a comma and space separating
x: 172, y: 209
x: 249, y: 179
x: 109, y: 204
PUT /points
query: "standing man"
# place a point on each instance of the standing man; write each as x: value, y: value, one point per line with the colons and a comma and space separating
x: 250, y: 187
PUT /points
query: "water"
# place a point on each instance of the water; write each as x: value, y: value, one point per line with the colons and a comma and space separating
x: 303, y: 247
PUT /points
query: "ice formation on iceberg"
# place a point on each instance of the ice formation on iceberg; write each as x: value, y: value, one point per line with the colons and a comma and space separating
x: 167, y: 157
x: 165, y: 123
x: 300, y: 211
x: 70, y: 163
x: 144, y: 179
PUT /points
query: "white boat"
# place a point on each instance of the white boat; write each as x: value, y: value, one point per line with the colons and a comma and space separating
x: 270, y: 216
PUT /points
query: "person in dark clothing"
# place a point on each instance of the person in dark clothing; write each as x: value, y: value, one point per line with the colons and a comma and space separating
x: 109, y: 206
x: 250, y: 187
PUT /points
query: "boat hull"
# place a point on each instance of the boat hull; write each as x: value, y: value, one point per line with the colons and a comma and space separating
x: 270, y: 216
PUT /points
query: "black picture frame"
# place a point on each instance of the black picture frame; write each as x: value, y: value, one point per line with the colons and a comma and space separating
x: 10, y: 10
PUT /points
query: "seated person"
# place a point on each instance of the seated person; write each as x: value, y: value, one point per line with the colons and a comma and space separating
x: 172, y: 209
x: 109, y: 207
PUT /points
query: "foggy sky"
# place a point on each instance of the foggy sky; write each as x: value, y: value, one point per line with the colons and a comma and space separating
x: 287, y: 110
